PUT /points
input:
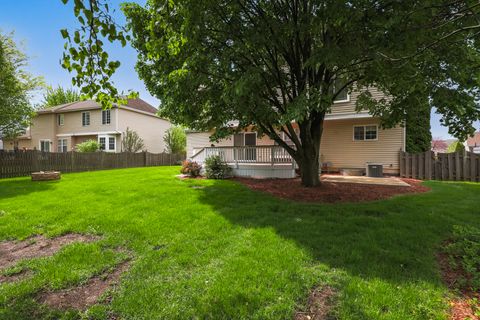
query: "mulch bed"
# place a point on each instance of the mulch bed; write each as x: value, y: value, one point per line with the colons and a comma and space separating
x: 83, y: 296
x: 331, y: 192
x: 35, y: 247
x: 320, y: 304
x: 465, y: 302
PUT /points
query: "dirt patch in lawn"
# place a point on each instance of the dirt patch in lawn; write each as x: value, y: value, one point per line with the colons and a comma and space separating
x: 15, y: 277
x: 466, y: 303
x: 331, y: 192
x: 320, y: 304
x: 35, y: 247
x: 83, y: 296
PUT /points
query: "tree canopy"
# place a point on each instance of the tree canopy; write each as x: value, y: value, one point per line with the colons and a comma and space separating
x: 59, y: 95
x: 16, y: 86
x: 280, y: 64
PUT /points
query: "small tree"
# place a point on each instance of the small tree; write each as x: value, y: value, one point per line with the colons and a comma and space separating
x: 88, y: 146
x: 455, y: 147
x: 175, y: 140
x: 131, y: 141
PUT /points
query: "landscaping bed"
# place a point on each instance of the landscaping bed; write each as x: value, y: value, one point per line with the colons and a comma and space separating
x: 331, y: 192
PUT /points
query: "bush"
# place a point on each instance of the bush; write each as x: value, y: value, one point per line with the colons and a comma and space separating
x: 191, y: 168
x: 88, y: 146
x: 216, y: 168
x: 464, y: 253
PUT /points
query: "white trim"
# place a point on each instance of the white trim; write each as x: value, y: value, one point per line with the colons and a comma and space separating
x: 60, y: 116
x: 62, y: 139
x: 50, y: 144
x: 109, y: 118
x: 107, y: 142
x: 342, y: 101
x: 364, y: 132
x: 89, y: 118
x: 346, y: 116
x: 87, y: 133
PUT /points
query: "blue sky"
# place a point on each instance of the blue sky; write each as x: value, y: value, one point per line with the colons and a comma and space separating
x: 37, y: 24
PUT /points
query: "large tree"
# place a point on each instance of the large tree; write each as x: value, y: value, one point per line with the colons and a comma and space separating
x: 277, y: 64
x: 16, y: 86
x: 59, y: 95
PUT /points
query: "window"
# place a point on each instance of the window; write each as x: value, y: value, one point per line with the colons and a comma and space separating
x: 111, y: 143
x: 45, y: 145
x: 60, y: 119
x: 106, y: 116
x: 107, y: 143
x: 343, y: 95
x: 85, y: 119
x: 62, y: 145
x: 101, y: 142
x: 362, y: 133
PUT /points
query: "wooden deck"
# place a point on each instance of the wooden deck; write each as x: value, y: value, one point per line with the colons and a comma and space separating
x: 253, y: 161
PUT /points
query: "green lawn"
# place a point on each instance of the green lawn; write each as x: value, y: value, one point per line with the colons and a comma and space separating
x: 225, y: 252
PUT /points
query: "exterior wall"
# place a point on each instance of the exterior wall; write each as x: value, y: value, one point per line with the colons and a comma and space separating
x: 73, y: 122
x: 198, y: 140
x: 43, y: 128
x: 337, y: 145
x: 339, y: 148
x: 149, y: 127
x: 349, y: 106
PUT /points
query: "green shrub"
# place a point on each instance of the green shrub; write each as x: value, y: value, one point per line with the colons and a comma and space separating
x: 88, y: 146
x: 464, y: 253
x: 216, y: 168
x: 191, y: 168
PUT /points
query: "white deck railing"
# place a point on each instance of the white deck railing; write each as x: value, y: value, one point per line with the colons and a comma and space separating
x: 248, y: 154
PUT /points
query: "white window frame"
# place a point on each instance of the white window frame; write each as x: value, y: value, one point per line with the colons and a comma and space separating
x: 341, y: 101
x: 84, y: 124
x: 105, y: 117
x: 60, y: 119
x: 107, y: 142
x: 364, y: 132
x: 49, y: 145
x: 61, y: 143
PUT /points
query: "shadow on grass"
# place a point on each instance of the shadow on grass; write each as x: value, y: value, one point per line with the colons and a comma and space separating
x: 22, y: 186
x: 395, y: 239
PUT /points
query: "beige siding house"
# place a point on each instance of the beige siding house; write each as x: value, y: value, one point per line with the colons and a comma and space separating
x: 61, y: 128
x: 350, y: 140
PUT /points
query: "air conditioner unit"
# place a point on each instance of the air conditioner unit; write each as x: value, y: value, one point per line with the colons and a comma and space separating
x: 374, y: 170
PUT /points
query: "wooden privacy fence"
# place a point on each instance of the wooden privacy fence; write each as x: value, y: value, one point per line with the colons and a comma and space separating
x: 17, y: 164
x: 458, y: 166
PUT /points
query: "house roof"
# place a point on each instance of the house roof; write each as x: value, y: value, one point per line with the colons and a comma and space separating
x: 474, y: 141
x: 135, y: 104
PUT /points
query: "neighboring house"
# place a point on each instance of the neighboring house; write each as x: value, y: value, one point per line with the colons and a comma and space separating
x: 61, y: 128
x: 350, y: 139
x: 473, y: 143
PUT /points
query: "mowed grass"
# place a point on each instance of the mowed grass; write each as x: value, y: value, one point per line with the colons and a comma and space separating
x: 223, y: 251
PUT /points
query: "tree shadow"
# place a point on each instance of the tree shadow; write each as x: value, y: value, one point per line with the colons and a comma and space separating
x: 395, y: 239
x: 21, y: 186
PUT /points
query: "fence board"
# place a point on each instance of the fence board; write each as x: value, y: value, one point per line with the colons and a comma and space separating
x: 17, y: 164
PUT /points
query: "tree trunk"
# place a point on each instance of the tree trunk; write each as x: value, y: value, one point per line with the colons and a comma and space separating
x: 308, y: 156
x: 309, y: 170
